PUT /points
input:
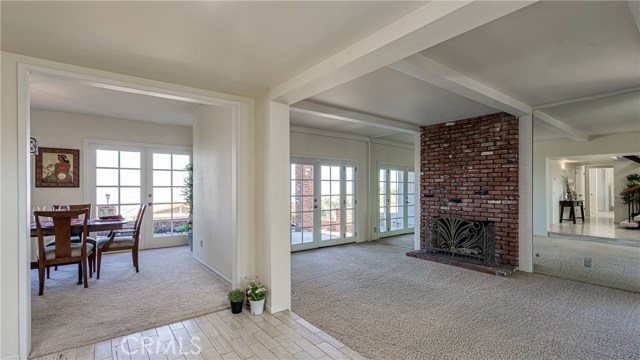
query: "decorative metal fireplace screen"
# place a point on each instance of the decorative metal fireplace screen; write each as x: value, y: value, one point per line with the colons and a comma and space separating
x: 467, y: 239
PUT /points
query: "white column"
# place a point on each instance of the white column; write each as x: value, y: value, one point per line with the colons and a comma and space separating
x: 273, y: 253
x: 525, y: 202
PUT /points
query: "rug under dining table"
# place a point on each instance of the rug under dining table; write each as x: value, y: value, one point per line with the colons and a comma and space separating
x: 171, y: 286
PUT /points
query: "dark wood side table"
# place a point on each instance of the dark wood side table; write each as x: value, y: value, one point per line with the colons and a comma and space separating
x: 572, y: 213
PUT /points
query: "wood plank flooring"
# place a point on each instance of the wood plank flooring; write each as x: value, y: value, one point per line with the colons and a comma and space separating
x: 220, y: 335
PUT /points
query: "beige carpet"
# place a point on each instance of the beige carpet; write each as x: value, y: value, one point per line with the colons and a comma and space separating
x: 170, y: 286
x: 405, y: 241
x: 611, y: 265
x: 388, y: 306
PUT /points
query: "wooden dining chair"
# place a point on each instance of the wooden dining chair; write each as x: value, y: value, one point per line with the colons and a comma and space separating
x: 76, y: 239
x: 122, y: 240
x: 63, y: 252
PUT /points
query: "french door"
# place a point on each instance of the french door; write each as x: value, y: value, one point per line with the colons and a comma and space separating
x: 396, y: 202
x: 322, y: 203
x: 123, y: 177
x: 169, y: 220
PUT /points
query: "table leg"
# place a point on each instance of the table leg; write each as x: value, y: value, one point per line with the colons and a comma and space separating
x: 79, y: 273
x: 572, y: 214
x: 561, y: 213
x: 582, y: 212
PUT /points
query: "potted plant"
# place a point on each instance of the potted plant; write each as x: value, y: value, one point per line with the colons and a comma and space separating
x: 188, y: 195
x: 633, y: 180
x: 236, y: 298
x: 257, y: 293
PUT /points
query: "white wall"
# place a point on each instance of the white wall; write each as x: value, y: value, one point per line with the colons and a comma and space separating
x: 213, y: 238
x: 613, y: 144
x: 68, y: 130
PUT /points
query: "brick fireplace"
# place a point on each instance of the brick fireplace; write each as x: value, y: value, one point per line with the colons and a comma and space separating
x: 469, y: 170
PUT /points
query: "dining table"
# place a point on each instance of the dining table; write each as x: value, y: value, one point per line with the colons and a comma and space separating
x: 93, y: 225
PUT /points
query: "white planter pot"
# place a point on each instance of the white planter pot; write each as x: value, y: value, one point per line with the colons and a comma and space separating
x: 257, y: 307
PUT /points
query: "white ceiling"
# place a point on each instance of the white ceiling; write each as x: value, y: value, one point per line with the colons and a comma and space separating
x: 605, y: 159
x: 550, y: 51
x: 235, y: 47
x: 544, y: 53
x: 607, y: 115
x: 56, y: 94
x: 393, y: 95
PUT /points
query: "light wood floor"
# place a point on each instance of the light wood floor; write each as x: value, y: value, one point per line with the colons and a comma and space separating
x: 592, y: 228
x: 220, y: 335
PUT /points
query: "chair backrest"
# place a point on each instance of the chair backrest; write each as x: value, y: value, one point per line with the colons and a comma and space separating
x: 138, y: 222
x: 61, y: 230
x: 75, y: 207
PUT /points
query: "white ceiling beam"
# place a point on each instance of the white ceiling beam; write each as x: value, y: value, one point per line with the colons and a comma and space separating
x: 427, y: 70
x: 327, y: 133
x: 587, y: 98
x: 564, y: 128
x: 635, y: 11
x: 429, y: 25
x: 330, y: 112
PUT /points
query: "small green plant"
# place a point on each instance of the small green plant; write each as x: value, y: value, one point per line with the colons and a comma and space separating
x: 633, y: 180
x: 256, y: 292
x: 182, y: 229
x: 236, y: 296
x: 187, y: 192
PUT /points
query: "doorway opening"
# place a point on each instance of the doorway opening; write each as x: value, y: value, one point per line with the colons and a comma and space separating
x: 126, y: 185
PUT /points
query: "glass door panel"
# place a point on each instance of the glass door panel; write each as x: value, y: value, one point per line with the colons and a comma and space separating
x: 410, y: 200
x: 382, y: 202
x: 118, y: 182
x: 169, y: 220
x: 349, y: 202
x: 330, y: 202
x: 396, y: 199
x: 302, y: 204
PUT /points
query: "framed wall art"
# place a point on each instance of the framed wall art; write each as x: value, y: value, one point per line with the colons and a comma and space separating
x: 57, y: 167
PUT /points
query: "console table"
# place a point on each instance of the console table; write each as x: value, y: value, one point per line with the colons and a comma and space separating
x: 572, y: 213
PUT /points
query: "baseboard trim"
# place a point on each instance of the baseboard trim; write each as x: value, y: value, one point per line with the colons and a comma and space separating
x: 212, y: 269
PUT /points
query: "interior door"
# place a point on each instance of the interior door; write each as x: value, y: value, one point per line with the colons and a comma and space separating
x: 323, y: 203
x: 593, y: 192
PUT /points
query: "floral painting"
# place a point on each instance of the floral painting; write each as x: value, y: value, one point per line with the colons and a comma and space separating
x: 57, y: 168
